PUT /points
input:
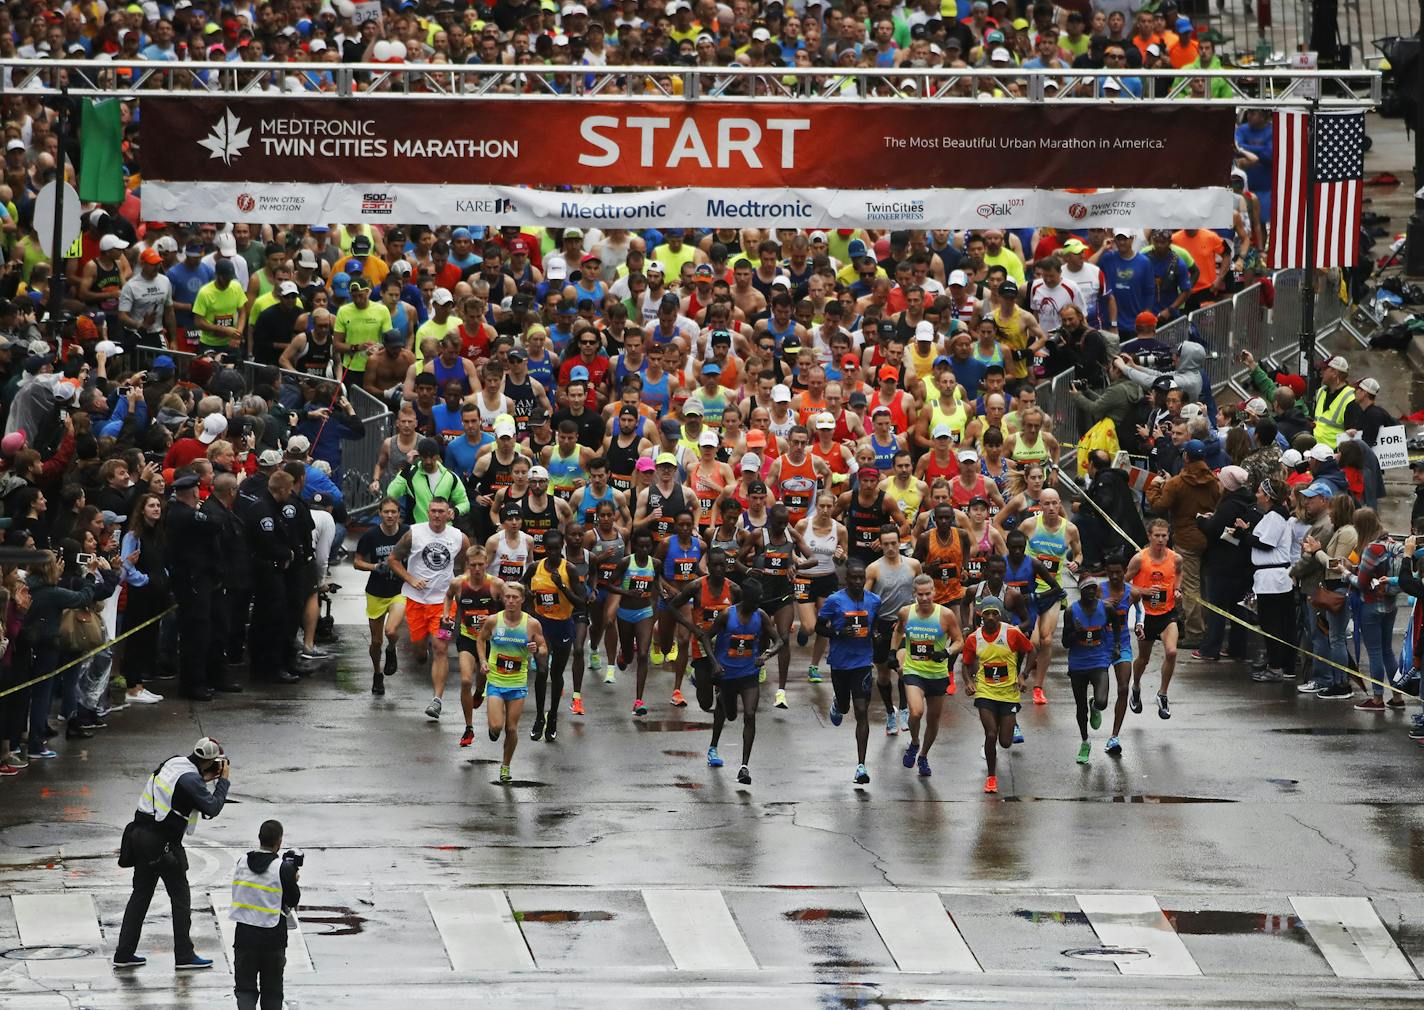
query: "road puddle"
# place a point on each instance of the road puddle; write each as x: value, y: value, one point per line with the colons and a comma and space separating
x: 557, y: 915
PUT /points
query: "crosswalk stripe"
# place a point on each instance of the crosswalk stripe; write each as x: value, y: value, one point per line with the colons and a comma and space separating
x: 918, y: 931
x: 298, y: 957
x: 478, y: 930
x: 1136, y: 921
x: 1352, y: 938
x: 698, y: 930
x: 57, y: 920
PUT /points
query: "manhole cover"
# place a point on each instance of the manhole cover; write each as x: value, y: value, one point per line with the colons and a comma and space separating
x: 46, y: 953
x: 1108, y: 953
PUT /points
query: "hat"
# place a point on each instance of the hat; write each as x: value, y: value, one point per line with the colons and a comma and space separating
x: 709, y: 438
x: 781, y: 281
x: 856, y: 249
x: 517, y: 354
x: 756, y: 437
x: 780, y: 393
x: 187, y: 482
x: 1233, y: 477
x: 1195, y: 448
x: 1318, y: 489
x: 538, y: 473
x: 193, y: 247
x: 590, y: 257
x: 1009, y: 287
x: 721, y: 337
x: 653, y: 265
x: 825, y: 422
x: 287, y: 288
x: 1183, y: 25
x: 320, y: 500
x: 1074, y: 245
x: 166, y: 244
x: 300, y: 445
x: 703, y: 270
x: 1256, y: 406
x: 226, y: 244
x: 1122, y: 233
x: 999, y: 54
x: 504, y: 427
x: 207, y: 748
x: 269, y: 457
x: 15, y: 145
x: 161, y: 363
x: 942, y: 431
x: 1291, y: 459
x: 394, y: 338
x: 1370, y: 386
x: 151, y: 256
x: 224, y: 268
x: 1153, y: 49
x: 761, y: 35
x: 107, y: 348
x: 885, y: 328
x: 888, y: 373
x: 924, y: 331
x: 986, y: 603
x: 578, y: 373
x: 665, y: 459
x: 958, y: 278
x: 750, y: 461
x: 556, y: 271
x: 109, y: 242
x: 942, y: 359
x: 1320, y: 452
x: 968, y: 456
x: 692, y: 407
x: 1163, y: 383
x: 857, y: 399
x: 644, y: 464
x: 214, y: 425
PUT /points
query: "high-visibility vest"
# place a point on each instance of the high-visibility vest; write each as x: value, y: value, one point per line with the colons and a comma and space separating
x: 256, y: 897
x: 157, y: 796
x: 1330, y: 420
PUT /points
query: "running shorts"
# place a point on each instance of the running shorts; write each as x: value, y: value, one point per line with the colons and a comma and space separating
x: 634, y: 616
x: 933, y: 687
x: 378, y: 606
x: 1154, y: 624
x: 558, y: 633
x: 507, y: 693
x: 423, y: 618
x: 856, y: 682
x: 1002, y: 709
x: 464, y: 643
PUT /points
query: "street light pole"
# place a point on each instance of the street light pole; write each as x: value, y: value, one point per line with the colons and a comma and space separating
x: 1414, y: 235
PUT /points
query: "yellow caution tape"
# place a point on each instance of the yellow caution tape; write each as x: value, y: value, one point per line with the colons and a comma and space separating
x: 88, y: 655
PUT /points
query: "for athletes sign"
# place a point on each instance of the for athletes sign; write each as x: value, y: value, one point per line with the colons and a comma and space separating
x: 588, y: 142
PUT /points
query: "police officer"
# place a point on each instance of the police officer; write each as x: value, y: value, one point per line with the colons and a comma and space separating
x: 272, y: 555
x: 233, y: 592
x: 301, y: 573
x: 193, y: 545
x: 255, y: 486
x: 168, y: 808
x: 264, y: 889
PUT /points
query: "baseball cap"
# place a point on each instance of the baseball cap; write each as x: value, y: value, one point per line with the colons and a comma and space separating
x: 15, y: 145
x: 1338, y: 363
x: 556, y: 271
x: 721, y: 337
x: 1183, y: 24
x: 1073, y: 245
x: 1291, y: 459
x: 517, y: 354
x: 888, y: 373
x: 207, y: 748
x: 756, y: 437
x: 780, y: 393
x: 857, y: 399
x: 849, y: 360
x: 855, y: 249
x: 958, y: 278
x: 150, y: 256
x: 341, y: 285
x: 665, y: 459
x: 393, y: 337
x: 578, y: 373
x: 968, y: 456
x: 1320, y: 452
x: 825, y: 422
x: 288, y: 288
x: 166, y: 244
x: 1145, y: 319
x: 186, y: 483
x: 1163, y: 383
x: 226, y: 244
x: 644, y: 464
x: 750, y: 461
x: 1370, y: 386
x: 1122, y: 233
x: 1256, y: 406
x: 224, y: 268
x: 670, y: 427
x: 924, y: 332
x: 942, y: 431
x: 269, y: 457
x: 781, y: 281
x: 1194, y: 449
x: 504, y: 426
x: 442, y: 296
x: 538, y: 473
x: 113, y: 518
x: 692, y: 407
x: 709, y: 438
x: 999, y: 54
x: 987, y: 603
x: 213, y: 426
x: 320, y: 499
x: 1318, y: 489
x: 590, y: 257
x: 1009, y: 287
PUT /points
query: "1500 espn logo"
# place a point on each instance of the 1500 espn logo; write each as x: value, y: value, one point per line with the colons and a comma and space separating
x: 378, y: 203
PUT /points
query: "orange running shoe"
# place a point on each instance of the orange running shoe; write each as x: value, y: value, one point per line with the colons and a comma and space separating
x: 950, y: 689
x: 1038, y: 696
x: 991, y: 784
x: 576, y: 706
x: 678, y: 701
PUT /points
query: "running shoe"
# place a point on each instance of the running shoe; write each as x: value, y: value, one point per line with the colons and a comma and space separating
x: 1309, y: 687
x: 909, y: 759
x: 892, y: 725
x: 714, y: 760
x: 1134, y: 700
x: 1038, y: 696
x: 133, y: 961
x: 1262, y: 676
x: 951, y: 688
x: 924, y: 767
x: 537, y: 730
x: 672, y: 653
x: 43, y: 755
x: 744, y: 776
x: 6, y: 769
x: 378, y: 685
x: 1113, y: 747
x: 813, y: 674
x: 780, y: 698
x: 504, y: 777
x: 576, y: 706
x: 610, y: 675
x: 551, y: 728
x: 1018, y: 733
x: 432, y: 711
x: 194, y: 963
x: 836, y: 715
x: 389, y: 670
x: 1395, y: 702
x: 656, y: 655
x: 467, y: 737
x: 991, y: 784
x: 801, y: 637
x: 1085, y: 749
x: 1371, y: 704
x: 639, y: 708
x: 1164, y: 711
x: 904, y: 714
x: 1415, y: 733
x: 678, y: 701
x: 18, y: 759
x: 1095, y: 716
x: 862, y: 777
x: 1337, y: 692
x: 595, y: 661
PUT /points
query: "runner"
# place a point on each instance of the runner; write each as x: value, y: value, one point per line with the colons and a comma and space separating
x: 770, y: 554
x: 708, y: 597
x: 385, y: 606
x: 507, y: 646
x: 679, y: 560
x: 942, y: 552
x: 1119, y: 596
x: 1023, y: 573
x: 796, y: 476
x: 907, y: 491
x: 891, y: 577
x: 845, y: 618
x: 553, y: 593
x: 511, y: 550
x: 865, y: 512
x: 427, y: 557
x: 1156, y: 576
x: 1092, y: 634
x: 825, y: 541
x: 542, y: 513
x: 566, y: 461
x: 580, y: 563
x: 709, y: 478
x: 632, y: 584
x: 607, y: 546
x: 1053, y: 541
x: 985, y: 542
x: 470, y: 602
x: 1025, y: 489
x: 737, y: 656
x: 927, y: 635
x: 623, y: 447
x: 994, y: 675
x: 586, y: 499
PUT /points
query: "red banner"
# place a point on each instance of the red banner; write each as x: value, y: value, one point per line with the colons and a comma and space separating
x: 578, y: 142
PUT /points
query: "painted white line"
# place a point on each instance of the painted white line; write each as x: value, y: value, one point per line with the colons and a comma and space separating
x: 478, y: 930
x: 698, y: 930
x: 918, y: 931
x: 57, y: 920
x: 1352, y: 938
x: 1136, y: 921
x: 298, y: 957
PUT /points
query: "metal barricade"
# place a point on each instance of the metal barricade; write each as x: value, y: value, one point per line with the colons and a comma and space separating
x: 1056, y: 400
x: 359, y: 457
x: 1174, y: 331
x: 1250, y: 331
x: 1286, y: 317
x: 1213, y: 326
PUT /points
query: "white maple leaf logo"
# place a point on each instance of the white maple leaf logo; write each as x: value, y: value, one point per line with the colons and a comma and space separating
x: 227, y: 139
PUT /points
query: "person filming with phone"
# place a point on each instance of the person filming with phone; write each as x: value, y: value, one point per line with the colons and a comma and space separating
x: 173, y: 798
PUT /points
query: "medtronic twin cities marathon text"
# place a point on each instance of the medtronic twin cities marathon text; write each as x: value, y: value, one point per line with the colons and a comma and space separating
x: 356, y: 138
x: 1028, y: 143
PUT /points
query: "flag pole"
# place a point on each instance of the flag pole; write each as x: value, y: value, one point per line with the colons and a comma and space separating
x: 1308, y: 368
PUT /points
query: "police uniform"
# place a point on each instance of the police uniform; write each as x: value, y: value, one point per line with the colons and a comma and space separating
x: 233, y: 593
x: 301, y: 574
x: 192, y: 547
x: 272, y: 555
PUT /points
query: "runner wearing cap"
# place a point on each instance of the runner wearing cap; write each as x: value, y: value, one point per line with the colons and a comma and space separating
x: 709, y: 478
x: 145, y: 305
x: 605, y: 541
x: 102, y: 279
x: 888, y: 394
x: 657, y: 506
x: 623, y: 447
x: 359, y: 326
x: 995, y: 657
x: 539, y: 511
x: 940, y: 462
x: 1019, y: 332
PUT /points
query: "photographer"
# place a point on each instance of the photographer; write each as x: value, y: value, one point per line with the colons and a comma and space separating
x: 1119, y: 401
x: 264, y: 890
x: 168, y: 808
x: 1187, y: 360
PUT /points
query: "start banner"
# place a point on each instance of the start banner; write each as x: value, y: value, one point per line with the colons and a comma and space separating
x: 311, y: 203
x: 376, y: 143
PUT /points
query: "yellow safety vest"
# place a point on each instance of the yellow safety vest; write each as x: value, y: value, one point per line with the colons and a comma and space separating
x: 1330, y: 420
x: 157, y: 796
x: 256, y: 897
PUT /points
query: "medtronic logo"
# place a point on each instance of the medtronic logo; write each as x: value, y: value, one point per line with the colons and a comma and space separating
x: 378, y: 203
x: 498, y: 205
x: 227, y: 139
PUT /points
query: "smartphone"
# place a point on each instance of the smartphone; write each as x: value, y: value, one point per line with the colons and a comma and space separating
x: 83, y: 559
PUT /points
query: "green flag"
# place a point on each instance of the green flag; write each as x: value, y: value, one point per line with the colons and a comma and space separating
x: 101, y: 166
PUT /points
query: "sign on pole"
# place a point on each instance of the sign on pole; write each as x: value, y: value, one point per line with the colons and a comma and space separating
x: 1391, y: 448
x: 1306, y: 61
x: 44, y: 214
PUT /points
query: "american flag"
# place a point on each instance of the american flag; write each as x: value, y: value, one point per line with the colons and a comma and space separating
x: 1338, y: 188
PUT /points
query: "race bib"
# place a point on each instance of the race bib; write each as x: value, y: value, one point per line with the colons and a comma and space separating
x: 996, y: 673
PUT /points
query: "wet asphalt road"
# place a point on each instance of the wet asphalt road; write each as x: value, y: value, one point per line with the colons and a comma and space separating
x: 1248, y: 797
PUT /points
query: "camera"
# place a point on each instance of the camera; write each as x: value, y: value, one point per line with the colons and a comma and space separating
x: 294, y: 856
x: 1153, y: 359
x: 1077, y: 385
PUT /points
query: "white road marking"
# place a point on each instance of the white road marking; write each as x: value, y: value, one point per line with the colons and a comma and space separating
x: 918, y: 931
x: 478, y: 929
x: 698, y: 930
x: 1136, y: 921
x: 298, y: 957
x: 1352, y: 938
x: 57, y: 920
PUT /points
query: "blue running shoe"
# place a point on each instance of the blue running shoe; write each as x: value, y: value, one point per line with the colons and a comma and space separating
x: 924, y: 767
x: 904, y: 720
x: 714, y: 760
x: 194, y: 963
x: 1113, y: 748
x: 909, y: 759
x: 862, y: 777
x: 836, y: 715
x: 1018, y: 734
x: 891, y: 726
